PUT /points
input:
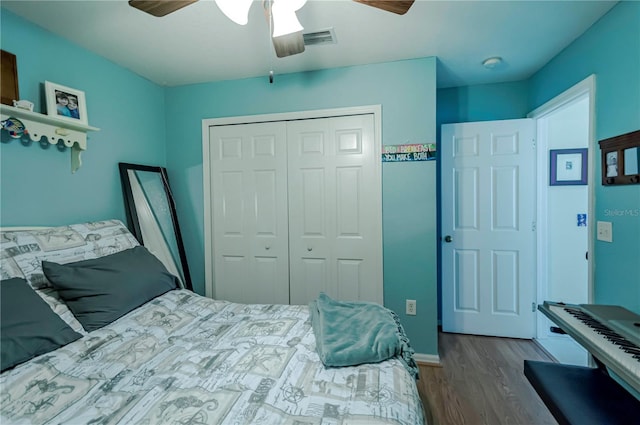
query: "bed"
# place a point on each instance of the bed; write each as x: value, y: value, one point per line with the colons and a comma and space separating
x: 175, y: 356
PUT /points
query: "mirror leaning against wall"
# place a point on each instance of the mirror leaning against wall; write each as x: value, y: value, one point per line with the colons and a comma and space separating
x: 152, y: 218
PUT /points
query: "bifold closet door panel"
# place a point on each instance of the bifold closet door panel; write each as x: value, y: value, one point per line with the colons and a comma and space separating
x: 335, y: 209
x: 250, y: 217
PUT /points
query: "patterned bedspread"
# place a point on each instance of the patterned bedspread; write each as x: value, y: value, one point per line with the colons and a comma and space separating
x: 187, y: 359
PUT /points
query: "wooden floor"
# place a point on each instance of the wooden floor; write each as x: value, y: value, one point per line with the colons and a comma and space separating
x: 481, y: 381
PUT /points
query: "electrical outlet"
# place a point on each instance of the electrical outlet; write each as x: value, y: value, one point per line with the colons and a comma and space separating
x: 411, y: 307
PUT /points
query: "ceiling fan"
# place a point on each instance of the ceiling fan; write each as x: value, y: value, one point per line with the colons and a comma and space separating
x: 286, y: 42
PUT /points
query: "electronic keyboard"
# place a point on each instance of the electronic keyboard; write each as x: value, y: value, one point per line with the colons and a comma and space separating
x: 585, y: 395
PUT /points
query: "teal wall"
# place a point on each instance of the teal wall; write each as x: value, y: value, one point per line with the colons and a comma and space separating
x: 610, y: 49
x: 483, y: 102
x: 37, y: 184
x: 406, y: 90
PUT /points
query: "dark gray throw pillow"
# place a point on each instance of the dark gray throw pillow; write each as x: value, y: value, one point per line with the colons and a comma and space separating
x: 101, y: 290
x: 28, y: 326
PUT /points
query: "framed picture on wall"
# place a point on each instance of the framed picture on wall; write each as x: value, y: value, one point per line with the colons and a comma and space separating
x: 612, y: 164
x: 66, y: 103
x: 8, y: 78
x: 568, y: 167
x: 621, y: 159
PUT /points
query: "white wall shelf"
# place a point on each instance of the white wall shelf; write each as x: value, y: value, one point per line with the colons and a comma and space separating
x: 73, y: 135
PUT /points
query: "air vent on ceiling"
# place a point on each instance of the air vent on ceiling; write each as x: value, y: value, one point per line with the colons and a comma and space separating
x: 319, y: 38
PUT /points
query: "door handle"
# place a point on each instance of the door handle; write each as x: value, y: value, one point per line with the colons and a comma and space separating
x: 448, y: 239
x: 309, y: 249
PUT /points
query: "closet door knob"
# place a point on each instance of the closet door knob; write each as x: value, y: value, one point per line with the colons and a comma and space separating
x: 309, y: 249
x: 267, y: 247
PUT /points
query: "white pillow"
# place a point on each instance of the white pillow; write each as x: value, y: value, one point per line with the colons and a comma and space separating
x: 59, y: 307
x: 22, y: 252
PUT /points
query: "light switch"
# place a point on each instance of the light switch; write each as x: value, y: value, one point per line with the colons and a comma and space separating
x: 605, y: 231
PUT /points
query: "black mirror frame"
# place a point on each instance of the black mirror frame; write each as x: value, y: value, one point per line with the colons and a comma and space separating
x: 132, y: 216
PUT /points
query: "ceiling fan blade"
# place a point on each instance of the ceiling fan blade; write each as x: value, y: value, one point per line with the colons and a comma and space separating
x: 289, y: 44
x: 160, y: 7
x: 399, y: 7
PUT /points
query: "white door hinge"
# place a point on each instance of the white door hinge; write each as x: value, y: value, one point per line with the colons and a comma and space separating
x: 533, y: 226
x: 533, y: 307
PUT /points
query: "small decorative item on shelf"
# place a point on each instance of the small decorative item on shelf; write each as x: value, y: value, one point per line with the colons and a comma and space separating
x: 23, y: 104
x: 14, y: 127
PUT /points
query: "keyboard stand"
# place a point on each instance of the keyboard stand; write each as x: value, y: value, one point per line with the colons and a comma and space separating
x: 577, y: 395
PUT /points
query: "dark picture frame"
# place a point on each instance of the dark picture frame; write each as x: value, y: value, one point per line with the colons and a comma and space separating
x: 621, y: 159
x: 568, y: 167
x: 9, y: 78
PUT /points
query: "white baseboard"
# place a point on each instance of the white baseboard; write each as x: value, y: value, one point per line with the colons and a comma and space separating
x: 427, y: 359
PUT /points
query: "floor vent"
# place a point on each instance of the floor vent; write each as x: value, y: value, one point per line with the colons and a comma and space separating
x: 319, y: 38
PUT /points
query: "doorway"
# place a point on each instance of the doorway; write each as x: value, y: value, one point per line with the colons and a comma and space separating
x: 565, y: 215
x: 568, y: 118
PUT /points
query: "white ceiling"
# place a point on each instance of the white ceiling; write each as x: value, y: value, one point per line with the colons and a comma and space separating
x: 199, y: 44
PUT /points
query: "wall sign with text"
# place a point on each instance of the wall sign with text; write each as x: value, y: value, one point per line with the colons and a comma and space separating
x: 413, y: 152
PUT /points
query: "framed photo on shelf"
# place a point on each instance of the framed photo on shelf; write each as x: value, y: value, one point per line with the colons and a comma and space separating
x: 66, y: 103
x: 568, y: 167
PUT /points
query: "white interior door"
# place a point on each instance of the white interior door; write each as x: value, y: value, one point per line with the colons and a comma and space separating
x: 250, y: 216
x: 488, y: 226
x: 335, y: 209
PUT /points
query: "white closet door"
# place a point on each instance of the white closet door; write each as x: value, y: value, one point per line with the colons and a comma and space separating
x: 335, y: 209
x: 249, y: 183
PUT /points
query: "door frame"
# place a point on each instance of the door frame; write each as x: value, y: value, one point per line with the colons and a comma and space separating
x: 207, y: 123
x: 585, y: 87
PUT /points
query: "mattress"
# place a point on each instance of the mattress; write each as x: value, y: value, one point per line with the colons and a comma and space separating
x: 184, y: 358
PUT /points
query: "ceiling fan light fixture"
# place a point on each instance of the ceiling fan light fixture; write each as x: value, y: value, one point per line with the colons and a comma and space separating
x: 284, y: 16
x: 236, y: 10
